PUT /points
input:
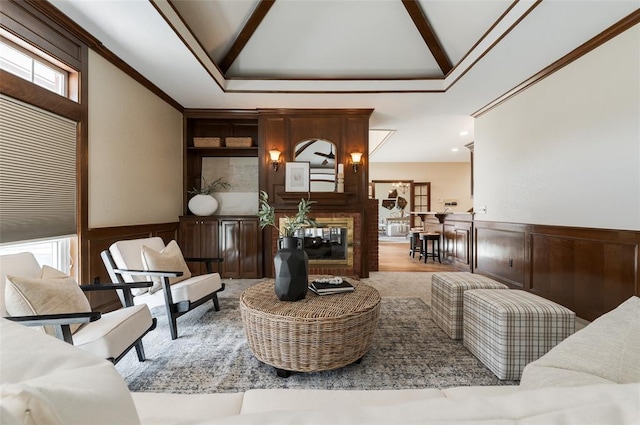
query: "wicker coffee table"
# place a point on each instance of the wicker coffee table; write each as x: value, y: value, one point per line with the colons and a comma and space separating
x: 314, y: 334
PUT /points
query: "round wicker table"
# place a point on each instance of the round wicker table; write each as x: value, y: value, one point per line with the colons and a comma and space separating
x: 314, y: 334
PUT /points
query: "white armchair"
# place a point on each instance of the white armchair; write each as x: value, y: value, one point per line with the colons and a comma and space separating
x: 42, y: 296
x: 131, y: 260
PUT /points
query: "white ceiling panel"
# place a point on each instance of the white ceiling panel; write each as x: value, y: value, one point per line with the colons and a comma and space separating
x: 349, y: 54
x: 336, y: 39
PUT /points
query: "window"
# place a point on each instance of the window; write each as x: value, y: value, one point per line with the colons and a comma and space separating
x: 55, y: 253
x: 25, y: 65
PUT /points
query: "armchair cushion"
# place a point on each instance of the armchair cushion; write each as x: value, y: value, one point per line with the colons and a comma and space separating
x: 54, y: 292
x: 191, y: 290
x: 168, y: 259
x: 112, y: 334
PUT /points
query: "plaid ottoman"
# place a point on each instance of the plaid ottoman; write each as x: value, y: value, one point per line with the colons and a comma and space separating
x: 446, y: 298
x: 506, y: 330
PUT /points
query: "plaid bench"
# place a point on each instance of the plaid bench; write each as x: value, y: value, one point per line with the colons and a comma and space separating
x: 446, y: 298
x: 506, y: 330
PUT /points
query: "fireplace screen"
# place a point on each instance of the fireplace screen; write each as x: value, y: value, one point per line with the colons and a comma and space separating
x: 330, y: 244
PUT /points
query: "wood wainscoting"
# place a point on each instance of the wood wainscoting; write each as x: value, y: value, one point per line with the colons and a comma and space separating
x: 100, y: 239
x: 590, y: 271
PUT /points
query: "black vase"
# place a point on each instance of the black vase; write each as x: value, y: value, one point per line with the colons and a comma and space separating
x: 292, y: 270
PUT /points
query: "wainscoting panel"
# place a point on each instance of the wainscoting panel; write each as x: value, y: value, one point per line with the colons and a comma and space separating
x: 501, y: 252
x: 590, y: 271
x: 590, y: 274
x: 100, y: 239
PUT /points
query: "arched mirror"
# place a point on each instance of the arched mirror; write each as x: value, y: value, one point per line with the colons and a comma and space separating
x: 321, y: 156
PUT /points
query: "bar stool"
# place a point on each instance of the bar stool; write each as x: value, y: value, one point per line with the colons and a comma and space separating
x: 435, y: 246
x: 415, y: 244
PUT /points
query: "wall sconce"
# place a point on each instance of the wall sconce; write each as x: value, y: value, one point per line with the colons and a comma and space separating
x: 356, y: 159
x: 274, y: 155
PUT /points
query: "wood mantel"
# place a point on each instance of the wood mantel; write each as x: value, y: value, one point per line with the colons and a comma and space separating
x: 291, y: 199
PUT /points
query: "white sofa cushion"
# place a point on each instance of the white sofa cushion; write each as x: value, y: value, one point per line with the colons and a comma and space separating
x: 167, y: 259
x: 82, y: 388
x: 172, y: 409
x: 24, y: 405
x: 608, y: 349
x: 263, y: 400
x: 54, y: 292
x: 593, y: 404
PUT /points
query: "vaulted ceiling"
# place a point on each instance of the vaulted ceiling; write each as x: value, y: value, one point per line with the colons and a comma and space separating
x: 424, y: 66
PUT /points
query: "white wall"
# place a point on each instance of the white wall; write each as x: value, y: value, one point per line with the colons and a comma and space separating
x: 449, y: 180
x: 567, y: 150
x: 135, y: 151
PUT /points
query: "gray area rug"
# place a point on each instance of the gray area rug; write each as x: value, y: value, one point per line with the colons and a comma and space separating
x: 211, y: 355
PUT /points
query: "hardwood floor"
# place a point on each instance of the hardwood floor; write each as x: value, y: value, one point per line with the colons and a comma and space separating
x: 394, y: 257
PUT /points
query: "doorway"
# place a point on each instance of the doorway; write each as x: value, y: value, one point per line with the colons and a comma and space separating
x: 395, y: 201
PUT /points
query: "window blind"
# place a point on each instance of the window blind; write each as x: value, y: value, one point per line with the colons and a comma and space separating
x: 37, y: 173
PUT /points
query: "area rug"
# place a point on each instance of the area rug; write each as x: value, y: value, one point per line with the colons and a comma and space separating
x: 212, y: 355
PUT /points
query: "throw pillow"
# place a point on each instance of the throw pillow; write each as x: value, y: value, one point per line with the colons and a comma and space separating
x: 169, y: 259
x: 54, y: 292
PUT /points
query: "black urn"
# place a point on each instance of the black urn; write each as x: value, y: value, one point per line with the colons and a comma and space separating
x: 291, y: 270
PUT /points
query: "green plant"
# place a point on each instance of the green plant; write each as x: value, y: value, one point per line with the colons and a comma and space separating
x: 209, y: 188
x: 267, y: 216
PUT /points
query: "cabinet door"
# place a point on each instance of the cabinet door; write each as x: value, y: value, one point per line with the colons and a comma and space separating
x: 209, y: 239
x: 189, y: 237
x: 230, y: 245
x: 250, y: 249
x: 198, y: 237
x: 240, y: 241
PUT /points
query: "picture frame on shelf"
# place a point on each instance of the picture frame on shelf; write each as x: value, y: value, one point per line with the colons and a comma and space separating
x: 297, y: 177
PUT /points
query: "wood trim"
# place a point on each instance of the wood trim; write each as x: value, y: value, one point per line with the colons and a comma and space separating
x: 428, y: 35
x: 82, y: 171
x: 35, y: 95
x: 613, y: 31
x: 495, y: 43
x: 247, y: 31
x: 487, y: 32
x: 32, y: 26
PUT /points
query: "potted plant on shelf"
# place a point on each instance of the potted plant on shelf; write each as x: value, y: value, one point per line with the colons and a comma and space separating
x: 290, y: 261
x: 203, y: 203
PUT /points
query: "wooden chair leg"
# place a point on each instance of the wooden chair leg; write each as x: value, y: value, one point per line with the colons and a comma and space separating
x: 216, y: 304
x: 173, y: 327
x: 140, y: 351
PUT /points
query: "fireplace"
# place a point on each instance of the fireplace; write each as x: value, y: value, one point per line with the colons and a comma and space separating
x: 330, y: 244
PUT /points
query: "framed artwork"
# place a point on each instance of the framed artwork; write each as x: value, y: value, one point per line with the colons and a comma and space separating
x: 296, y: 177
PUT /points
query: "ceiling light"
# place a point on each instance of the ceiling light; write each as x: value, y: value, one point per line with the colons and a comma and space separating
x: 454, y: 149
x: 464, y: 133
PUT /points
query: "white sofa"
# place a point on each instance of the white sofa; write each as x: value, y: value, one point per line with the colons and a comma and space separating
x: 591, y: 377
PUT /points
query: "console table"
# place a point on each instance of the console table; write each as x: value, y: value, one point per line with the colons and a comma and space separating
x: 314, y: 334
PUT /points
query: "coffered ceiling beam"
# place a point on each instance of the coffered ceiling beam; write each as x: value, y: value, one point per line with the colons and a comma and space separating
x: 247, y: 31
x: 428, y: 35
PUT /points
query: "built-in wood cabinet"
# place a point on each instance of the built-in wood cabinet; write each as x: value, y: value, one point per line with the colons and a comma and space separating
x: 198, y: 237
x: 220, y: 124
x: 241, y: 247
x: 237, y: 240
